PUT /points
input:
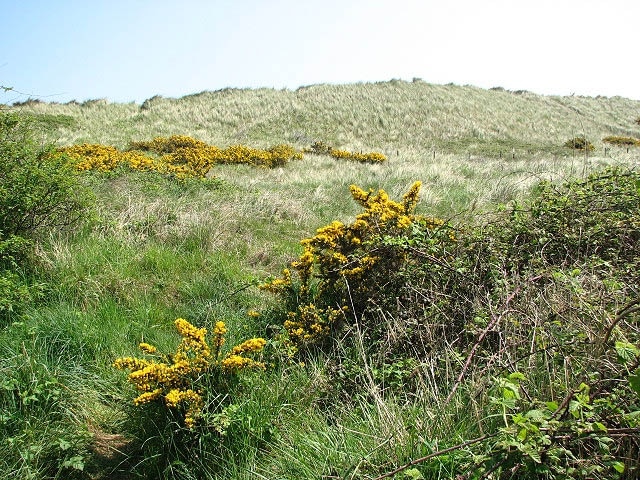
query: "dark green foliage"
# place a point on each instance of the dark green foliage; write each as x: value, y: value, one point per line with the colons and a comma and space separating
x: 548, y: 287
x: 38, y: 190
x: 571, y: 223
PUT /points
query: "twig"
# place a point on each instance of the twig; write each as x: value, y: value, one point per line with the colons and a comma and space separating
x: 435, y: 454
x: 628, y: 309
x: 476, y: 345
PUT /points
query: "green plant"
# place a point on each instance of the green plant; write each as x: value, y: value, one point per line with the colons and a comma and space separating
x: 344, y: 265
x: 194, y: 375
x: 38, y: 189
x: 39, y: 193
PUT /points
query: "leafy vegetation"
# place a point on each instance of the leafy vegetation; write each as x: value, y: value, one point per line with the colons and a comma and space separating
x: 462, y: 317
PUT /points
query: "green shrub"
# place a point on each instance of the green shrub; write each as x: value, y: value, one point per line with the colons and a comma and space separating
x: 415, y: 308
x: 38, y: 189
x: 38, y: 192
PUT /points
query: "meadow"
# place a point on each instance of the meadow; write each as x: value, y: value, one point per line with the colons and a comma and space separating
x: 480, y: 324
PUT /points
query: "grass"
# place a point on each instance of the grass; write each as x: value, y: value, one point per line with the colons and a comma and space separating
x: 158, y: 249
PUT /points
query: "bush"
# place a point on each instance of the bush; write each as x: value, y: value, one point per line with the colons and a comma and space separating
x: 372, y: 157
x: 38, y: 192
x: 622, y: 141
x: 38, y: 189
x: 415, y: 308
x: 188, y: 400
x: 344, y: 267
x: 579, y: 143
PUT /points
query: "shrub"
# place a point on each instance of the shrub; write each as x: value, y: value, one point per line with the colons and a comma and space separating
x: 579, y: 143
x: 592, y: 218
x: 38, y: 190
x: 372, y: 157
x: 195, y: 375
x: 622, y: 141
x: 416, y: 308
x: 343, y: 267
x: 184, y: 154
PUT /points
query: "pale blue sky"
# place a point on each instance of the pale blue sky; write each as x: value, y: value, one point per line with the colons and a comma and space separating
x: 132, y: 50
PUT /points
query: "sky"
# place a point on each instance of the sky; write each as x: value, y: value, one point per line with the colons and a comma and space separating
x: 128, y: 51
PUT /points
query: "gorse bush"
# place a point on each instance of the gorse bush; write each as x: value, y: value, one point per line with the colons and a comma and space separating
x: 178, y: 155
x: 371, y: 157
x: 105, y: 158
x: 321, y: 148
x: 195, y: 375
x: 343, y: 266
x: 183, y: 150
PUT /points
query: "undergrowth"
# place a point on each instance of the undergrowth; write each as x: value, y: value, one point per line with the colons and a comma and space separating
x: 531, y: 315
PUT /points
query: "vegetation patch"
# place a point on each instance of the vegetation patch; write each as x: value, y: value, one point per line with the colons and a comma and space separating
x: 321, y: 148
x: 580, y: 143
x: 178, y: 155
x: 393, y: 299
x: 622, y: 141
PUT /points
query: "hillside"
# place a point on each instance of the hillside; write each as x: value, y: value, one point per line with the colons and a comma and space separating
x: 467, y: 308
x: 410, y: 117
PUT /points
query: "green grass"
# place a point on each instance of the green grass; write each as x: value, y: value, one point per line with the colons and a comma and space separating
x: 158, y: 249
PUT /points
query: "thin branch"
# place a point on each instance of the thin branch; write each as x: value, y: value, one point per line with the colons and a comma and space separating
x: 435, y: 454
x: 628, y: 309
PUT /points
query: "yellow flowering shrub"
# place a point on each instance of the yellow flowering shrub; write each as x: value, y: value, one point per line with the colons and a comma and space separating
x: 321, y: 148
x: 178, y: 155
x: 106, y: 158
x: 371, y: 157
x: 180, y: 150
x: 343, y: 265
x: 179, y: 379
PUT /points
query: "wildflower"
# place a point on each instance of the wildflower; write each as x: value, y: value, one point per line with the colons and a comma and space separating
x: 147, y: 348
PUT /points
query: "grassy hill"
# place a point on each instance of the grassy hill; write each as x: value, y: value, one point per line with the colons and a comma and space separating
x: 469, y: 145
x: 490, y: 331
x: 413, y: 117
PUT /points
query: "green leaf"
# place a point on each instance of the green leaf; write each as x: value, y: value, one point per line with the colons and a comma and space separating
x: 626, y: 352
x: 414, y: 474
x: 634, y: 381
x: 599, y: 426
x: 77, y: 463
x: 536, y: 415
x: 618, y: 466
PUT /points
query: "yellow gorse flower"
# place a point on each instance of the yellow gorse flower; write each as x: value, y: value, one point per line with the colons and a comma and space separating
x: 372, y: 157
x: 340, y: 258
x: 175, y: 379
x: 178, y: 155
